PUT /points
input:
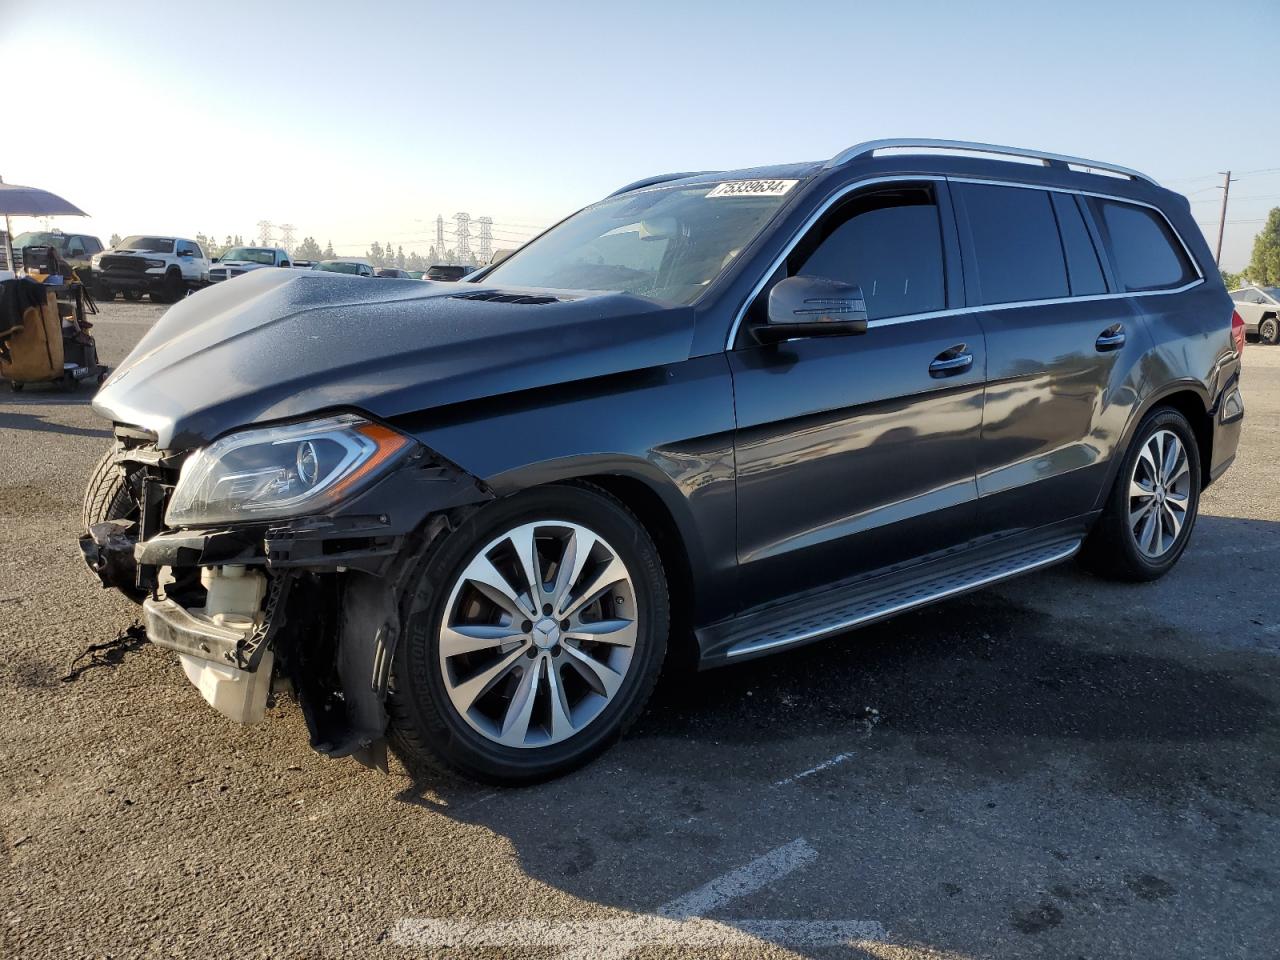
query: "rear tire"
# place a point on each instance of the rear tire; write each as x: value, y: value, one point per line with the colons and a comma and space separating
x: 112, y: 495
x: 1269, y: 331
x: 133, y: 295
x: 1154, y: 501
x: 440, y: 718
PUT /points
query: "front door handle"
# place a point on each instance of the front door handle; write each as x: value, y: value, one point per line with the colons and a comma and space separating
x: 1111, y: 338
x: 949, y: 362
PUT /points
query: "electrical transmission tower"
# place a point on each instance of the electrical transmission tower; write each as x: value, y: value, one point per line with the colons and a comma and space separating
x: 264, y: 233
x: 464, y: 236
x: 286, y: 237
x: 486, y: 239
x: 440, y: 237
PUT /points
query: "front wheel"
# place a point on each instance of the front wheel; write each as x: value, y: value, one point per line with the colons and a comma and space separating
x: 1269, y: 331
x: 534, y: 636
x: 1153, y: 504
x: 113, y: 494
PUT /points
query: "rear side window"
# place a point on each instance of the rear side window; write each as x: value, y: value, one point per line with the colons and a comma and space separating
x: 888, y: 243
x: 1083, y: 267
x: 1015, y: 243
x: 1144, y: 251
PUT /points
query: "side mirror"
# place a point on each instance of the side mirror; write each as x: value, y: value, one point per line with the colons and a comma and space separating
x: 813, y: 307
x: 284, y: 263
x: 215, y: 259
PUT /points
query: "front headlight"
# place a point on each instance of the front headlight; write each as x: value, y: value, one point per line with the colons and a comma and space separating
x: 283, y: 471
x: 95, y: 261
x: 154, y: 263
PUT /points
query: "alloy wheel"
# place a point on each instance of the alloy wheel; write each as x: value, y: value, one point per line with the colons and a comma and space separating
x: 538, y: 634
x: 1159, y: 494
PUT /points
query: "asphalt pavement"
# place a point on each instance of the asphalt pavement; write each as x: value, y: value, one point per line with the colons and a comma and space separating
x: 1055, y: 767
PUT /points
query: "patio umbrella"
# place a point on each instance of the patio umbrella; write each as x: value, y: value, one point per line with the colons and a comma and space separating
x: 18, y: 201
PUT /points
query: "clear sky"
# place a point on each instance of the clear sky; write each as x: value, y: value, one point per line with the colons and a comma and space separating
x: 361, y: 121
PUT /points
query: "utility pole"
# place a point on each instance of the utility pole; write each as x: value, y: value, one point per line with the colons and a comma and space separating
x: 463, y: 236
x: 264, y: 232
x: 286, y: 237
x: 486, y: 239
x: 1222, y: 219
x: 440, y: 238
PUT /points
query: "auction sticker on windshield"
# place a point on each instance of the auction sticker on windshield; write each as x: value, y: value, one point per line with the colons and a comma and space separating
x: 752, y: 188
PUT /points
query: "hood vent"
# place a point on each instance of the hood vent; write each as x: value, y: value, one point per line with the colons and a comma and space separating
x: 497, y: 296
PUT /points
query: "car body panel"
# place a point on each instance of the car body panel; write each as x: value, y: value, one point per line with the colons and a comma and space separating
x: 278, y: 344
x: 1253, y: 303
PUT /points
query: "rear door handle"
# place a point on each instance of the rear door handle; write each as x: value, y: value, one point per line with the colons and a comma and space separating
x: 949, y: 362
x: 1111, y: 338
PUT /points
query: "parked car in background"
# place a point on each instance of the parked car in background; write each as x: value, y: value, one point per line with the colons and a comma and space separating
x: 304, y: 264
x: 167, y: 268
x: 392, y: 273
x: 1259, y: 308
x: 448, y: 271
x: 76, y: 249
x: 241, y: 260
x: 731, y: 412
x: 356, y: 268
x: 417, y: 274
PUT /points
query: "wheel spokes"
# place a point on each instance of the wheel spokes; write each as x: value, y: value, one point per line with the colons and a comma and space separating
x: 603, y: 679
x: 472, y: 638
x: 612, y: 573
x: 485, y: 577
x: 515, y: 725
x: 621, y: 633
x: 467, y: 693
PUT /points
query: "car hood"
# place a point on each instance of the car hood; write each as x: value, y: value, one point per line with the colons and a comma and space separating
x: 280, y: 344
x: 127, y: 252
x: 245, y: 265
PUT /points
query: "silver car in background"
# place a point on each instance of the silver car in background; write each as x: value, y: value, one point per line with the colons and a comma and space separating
x: 1259, y: 308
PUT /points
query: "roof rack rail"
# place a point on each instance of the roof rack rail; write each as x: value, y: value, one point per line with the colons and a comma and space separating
x: 869, y: 148
x: 660, y: 178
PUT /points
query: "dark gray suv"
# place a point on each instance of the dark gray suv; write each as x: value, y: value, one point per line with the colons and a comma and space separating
x: 731, y: 412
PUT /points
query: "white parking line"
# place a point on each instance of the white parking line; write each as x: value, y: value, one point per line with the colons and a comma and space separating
x: 838, y: 758
x: 679, y: 923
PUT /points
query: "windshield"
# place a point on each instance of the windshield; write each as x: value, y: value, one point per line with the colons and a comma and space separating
x: 56, y: 240
x: 668, y: 243
x: 1272, y: 292
x: 250, y: 254
x: 338, y: 266
x: 151, y: 244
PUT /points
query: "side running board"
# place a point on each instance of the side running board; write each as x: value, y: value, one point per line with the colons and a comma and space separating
x: 800, y: 621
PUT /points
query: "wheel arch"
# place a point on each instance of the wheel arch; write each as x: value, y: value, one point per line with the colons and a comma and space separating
x: 1190, y: 399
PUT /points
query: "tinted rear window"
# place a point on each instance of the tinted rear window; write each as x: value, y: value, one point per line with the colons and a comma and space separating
x: 1083, y: 266
x: 1015, y: 242
x: 1145, y: 253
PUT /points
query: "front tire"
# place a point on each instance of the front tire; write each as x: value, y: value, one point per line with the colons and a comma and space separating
x: 111, y: 494
x: 1153, y: 503
x: 172, y: 290
x: 533, y: 638
x: 1269, y: 331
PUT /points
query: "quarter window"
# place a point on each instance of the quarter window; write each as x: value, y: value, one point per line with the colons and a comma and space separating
x: 888, y: 243
x: 1145, y: 253
x: 1015, y: 242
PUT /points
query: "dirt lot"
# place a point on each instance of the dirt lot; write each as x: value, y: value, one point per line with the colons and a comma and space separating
x: 1059, y: 767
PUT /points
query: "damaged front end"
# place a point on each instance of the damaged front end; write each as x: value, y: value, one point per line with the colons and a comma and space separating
x: 306, y: 603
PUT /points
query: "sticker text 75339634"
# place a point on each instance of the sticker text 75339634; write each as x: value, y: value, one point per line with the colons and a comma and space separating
x: 752, y: 188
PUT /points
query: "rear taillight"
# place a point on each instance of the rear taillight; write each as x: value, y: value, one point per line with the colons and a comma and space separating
x: 1237, y: 332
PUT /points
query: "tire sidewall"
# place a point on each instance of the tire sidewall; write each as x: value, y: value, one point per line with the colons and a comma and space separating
x: 418, y: 687
x: 1164, y: 418
x: 1274, y: 336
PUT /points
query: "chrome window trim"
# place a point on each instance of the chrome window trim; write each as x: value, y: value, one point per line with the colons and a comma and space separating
x: 957, y: 311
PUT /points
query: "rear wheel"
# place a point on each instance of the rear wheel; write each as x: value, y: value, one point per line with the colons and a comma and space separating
x: 1269, y: 331
x: 1153, y: 505
x: 533, y: 639
x: 134, y: 295
x: 111, y: 494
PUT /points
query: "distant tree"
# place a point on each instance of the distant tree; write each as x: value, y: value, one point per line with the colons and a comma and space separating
x: 400, y: 261
x: 375, y: 255
x: 1232, y: 280
x: 237, y: 242
x: 415, y: 262
x: 1264, y: 265
x: 328, y: 250
x: 308, y: 249
x: 115, y: 240
x: 432, y: 256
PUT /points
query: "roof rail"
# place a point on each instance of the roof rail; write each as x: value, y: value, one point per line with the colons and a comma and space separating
x: 660, y: 178
x: 1048, y: 159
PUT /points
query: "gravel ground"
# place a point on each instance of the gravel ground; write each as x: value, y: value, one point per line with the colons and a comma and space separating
x: 1057, y: 767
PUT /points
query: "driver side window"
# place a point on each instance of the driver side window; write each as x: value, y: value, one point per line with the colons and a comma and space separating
x: 889, y: 243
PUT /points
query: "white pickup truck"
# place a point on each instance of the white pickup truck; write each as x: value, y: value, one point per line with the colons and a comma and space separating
x: 240, y: 260
x: 165, y: 267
